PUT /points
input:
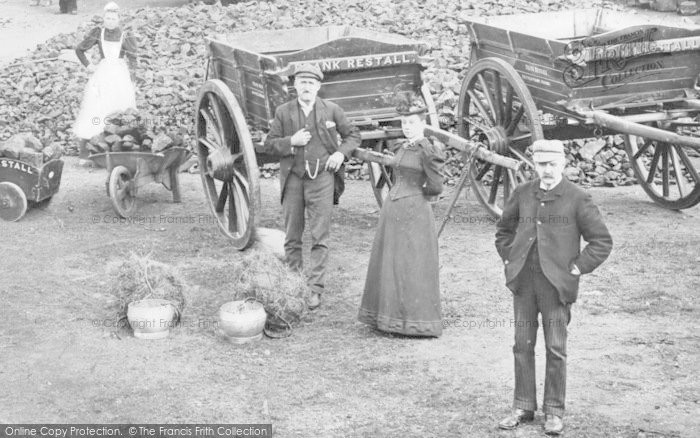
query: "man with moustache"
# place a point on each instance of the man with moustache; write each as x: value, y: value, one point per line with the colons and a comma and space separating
x: 538, y: 237
x: 304, y: 134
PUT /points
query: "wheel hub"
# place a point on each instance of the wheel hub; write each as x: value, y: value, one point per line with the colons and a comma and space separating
x: 496, y: 139
x: 220, y: 165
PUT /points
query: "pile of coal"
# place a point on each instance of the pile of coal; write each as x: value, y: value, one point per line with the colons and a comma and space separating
x: 133, y: 130
x: 29, y: 149
x: 43, y: 97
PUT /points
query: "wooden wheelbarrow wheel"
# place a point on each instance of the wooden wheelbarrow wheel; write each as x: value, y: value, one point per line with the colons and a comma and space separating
x: 13, y: 202
x: 121, y: 191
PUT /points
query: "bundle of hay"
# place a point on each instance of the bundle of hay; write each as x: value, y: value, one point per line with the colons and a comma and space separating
x: 139, y: 278
x: 282, y: 291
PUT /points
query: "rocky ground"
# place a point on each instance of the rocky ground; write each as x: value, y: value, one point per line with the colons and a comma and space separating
x: 633, y: 345
x: 43, y: 97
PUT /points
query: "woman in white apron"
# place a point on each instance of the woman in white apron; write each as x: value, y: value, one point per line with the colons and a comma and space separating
x: 109, y: 89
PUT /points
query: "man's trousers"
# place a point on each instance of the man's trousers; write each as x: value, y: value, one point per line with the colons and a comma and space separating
x: 537, y: 295
x: 315, y: 197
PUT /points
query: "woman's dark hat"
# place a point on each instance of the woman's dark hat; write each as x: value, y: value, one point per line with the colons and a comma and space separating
x: 408, y: 103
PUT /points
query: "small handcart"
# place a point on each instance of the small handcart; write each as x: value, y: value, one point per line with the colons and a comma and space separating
x: 23, y: 185
x: 129, y: 171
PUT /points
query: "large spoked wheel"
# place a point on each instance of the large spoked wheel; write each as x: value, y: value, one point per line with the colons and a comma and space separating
x: 496, y: 109
x: 667, y: 172
x: 227, y: 162
x: 122, y: 191
x: 13, y: 202
x: 382, y: 177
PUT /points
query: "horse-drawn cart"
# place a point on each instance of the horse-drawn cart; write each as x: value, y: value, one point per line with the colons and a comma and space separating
x: 578, y: 74
x: 363, y: 70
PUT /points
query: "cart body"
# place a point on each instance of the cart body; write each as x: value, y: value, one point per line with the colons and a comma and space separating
x: 24, y: 185
x: 362, y: 69
x: 592, y: 58
x: 586, y: 73
x: 249, y: 78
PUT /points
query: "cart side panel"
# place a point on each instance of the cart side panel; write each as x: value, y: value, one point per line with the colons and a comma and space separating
x: 361, y: 74
x: 533, y: 58
x: 242, y: 72
x: 349, y: 47
x: 22, y: 174
x: 558, y: 85
x: 649, y: 77
x: 368, y: 94
x: 49, y: 179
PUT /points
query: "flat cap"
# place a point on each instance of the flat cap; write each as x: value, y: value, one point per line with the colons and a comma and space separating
x: 543, y: 150
x: 307, y: 70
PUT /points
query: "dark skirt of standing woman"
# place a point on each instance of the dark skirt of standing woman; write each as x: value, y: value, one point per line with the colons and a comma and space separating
x: 402, y: 289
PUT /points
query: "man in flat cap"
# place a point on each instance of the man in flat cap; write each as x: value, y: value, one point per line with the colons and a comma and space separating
x: 304, y: 134
x: 538, y: 237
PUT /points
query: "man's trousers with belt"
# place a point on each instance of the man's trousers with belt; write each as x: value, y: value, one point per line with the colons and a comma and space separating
x: 315, y: 197
x: 537, y: 295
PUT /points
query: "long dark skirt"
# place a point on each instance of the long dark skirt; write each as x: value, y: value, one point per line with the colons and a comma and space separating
x: 402, y: 289
x: 67, y: 6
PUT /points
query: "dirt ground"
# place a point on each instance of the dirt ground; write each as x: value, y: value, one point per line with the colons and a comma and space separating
x: 633, y: 348
x: 634, y: 344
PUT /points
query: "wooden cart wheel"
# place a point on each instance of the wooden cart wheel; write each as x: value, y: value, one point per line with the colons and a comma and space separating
x: 382, y: 177
x: 667, y: 172
x: 227, y: 162
x: 13, y: 202
x: 496, y: 109
x: 121, y: 191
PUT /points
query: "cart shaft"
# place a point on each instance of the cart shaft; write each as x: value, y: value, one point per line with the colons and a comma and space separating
x: 620, y: 124
x: 479, y: 150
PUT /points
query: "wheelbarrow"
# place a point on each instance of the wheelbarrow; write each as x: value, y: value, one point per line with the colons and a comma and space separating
x: 129, y: 171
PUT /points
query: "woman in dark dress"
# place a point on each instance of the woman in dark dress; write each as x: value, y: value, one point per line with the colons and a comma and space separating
x: 402, y: 290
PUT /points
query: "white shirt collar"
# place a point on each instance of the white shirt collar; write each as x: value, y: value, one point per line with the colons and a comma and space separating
x: 307, y: 108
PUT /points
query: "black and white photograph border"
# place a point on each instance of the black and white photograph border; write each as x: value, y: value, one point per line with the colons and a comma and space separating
x: 145, y: 274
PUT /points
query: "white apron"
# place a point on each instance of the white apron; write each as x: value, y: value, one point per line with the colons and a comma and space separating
x: 109, y: 90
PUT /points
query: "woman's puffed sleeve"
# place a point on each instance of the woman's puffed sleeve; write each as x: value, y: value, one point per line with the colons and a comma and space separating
x: 90, y: 40
x: 432, y: 159
x: 130, y: 48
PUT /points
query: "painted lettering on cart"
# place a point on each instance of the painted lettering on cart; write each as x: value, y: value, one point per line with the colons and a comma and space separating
x: 609, y: 74
x: 17, y: 165
x: 637, y: 72
x: 612, y: 62
x: 370, y: 61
